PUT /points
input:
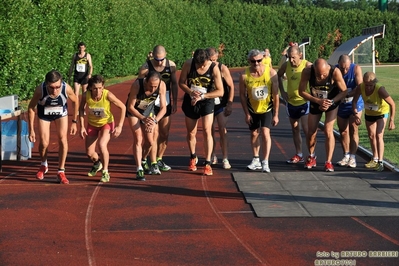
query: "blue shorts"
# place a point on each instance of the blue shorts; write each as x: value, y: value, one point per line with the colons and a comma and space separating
x: 296, y: 112
x: 345, y: 109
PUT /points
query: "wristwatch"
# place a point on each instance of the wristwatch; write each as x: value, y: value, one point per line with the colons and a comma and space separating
x: 74, y: 121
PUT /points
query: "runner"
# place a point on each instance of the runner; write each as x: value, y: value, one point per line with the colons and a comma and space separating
x: 82, y: 68
x: 100, y: 124
x: 260, y: 102
x: 143, y: 121
x: 378, y: 104
x: 348, y: 129
x: 223, y: 108
x: 167, y: 69
x: 201, y: 81
x: 327, y: 89
x: 50, y: 98
x: 296, y: 106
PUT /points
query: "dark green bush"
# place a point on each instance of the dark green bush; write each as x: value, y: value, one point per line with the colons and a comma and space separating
x: 41, y: 35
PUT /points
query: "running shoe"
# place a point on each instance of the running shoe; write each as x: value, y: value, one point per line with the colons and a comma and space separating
x: 371, y: 164
x: 105, y: 177
x: 329, y: 167
x: 265, y: 167
x: 42, y: 170
x: 96, y: 167
x: 62, y: 178
x: 226, y: 164
x: 379, y: 167
x: 208, y: 170
x: 352, y: 162
x: 146, y: 167
x: 296, y: 159
x: 193, y: 164
x: 214, y: 160
x: 344, y: 161
x: 163, y: 166
x: 310, y: 162
x: 155, y: 169
x: 140, y: 175
x: 255, y: 164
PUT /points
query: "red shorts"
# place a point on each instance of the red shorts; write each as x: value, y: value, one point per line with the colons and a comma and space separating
x: 93, y: 131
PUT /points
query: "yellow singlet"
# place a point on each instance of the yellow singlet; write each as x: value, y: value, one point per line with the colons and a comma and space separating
x: 99, y: 111
x: 259, y: 92
x: 293, y: 79
x: 374, y: 105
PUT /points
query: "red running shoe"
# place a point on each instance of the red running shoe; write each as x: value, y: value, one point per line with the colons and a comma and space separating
x: 329, y: 167
x: 208, y: 170
x: 42, y: 170
x: 310, y: 162
x: 193, y: 164
x: 295, y: 159
x: 62, y: 178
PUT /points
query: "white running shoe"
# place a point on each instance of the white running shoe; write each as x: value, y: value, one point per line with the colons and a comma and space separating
x: 352, y: 162
x: 344, y: 161
x: 265, y: 167
x: 255, y: 164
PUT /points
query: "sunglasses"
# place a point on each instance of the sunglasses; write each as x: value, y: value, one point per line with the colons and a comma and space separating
x: 159, y: 59
x: 254, y: 61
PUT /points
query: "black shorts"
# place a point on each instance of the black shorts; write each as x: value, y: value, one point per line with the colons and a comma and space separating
x: 314, y: 108
x: 168, y: 110
x: 261, y: 120
x: 202, y: 108
x: 82, y: 80
x: 372, y: 118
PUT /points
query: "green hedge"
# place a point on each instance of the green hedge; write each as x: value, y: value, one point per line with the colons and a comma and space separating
x: 41, y: 35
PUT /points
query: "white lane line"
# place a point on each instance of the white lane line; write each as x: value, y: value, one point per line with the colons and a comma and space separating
x: 375, y: 230
x: 228, y: 226
x: 88, y: 239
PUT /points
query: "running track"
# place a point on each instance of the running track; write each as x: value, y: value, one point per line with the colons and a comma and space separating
x: 178, y: 218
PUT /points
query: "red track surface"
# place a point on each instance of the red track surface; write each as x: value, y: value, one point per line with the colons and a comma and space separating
x: 178, y: 218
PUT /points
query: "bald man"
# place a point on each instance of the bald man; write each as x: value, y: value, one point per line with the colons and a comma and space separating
x: 348, y: 129
x: 167, y: 69
x: 327, y: 89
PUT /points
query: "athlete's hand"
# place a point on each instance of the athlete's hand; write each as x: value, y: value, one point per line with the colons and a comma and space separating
x: 248, y: 119
x: 228, y: 110
x: 74, y: 129
x: 275, y: 121
x: 32, y: 136
x: 117, y: 131
x: 284, y: 95
x: 83, y: 132
x: 174, y: 107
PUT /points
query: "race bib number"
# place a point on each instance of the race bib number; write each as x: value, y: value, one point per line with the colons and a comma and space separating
x: 371, y: 106
x: 260, y: 93
x: 97, y: 112
x: 53, y: 110
x: 81, y: 68
x: 320, y: 94
x: 348, y: 99
x: 199, y: 88
x: 143, y: 105
x: 217, y: 101
x: 157, y: 103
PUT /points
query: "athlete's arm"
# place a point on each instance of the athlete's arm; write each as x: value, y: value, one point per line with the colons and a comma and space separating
x: 31, y: 113
x: 280, y: 75
x: 90, y: 65
x: 217, y: 80
x: 340, y: 82
x: 134, y: 89
x: 229, y: 81
x: 118, y: 103
x: 173, y: 86
x: 75, y: 100
x: 243, y: 99
x: 276, y: 98
x: 162, y: 101
x: 82, y: 105
x: 143, y: 71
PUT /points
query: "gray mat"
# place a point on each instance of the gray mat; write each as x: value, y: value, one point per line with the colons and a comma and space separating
x: 320, y: 194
